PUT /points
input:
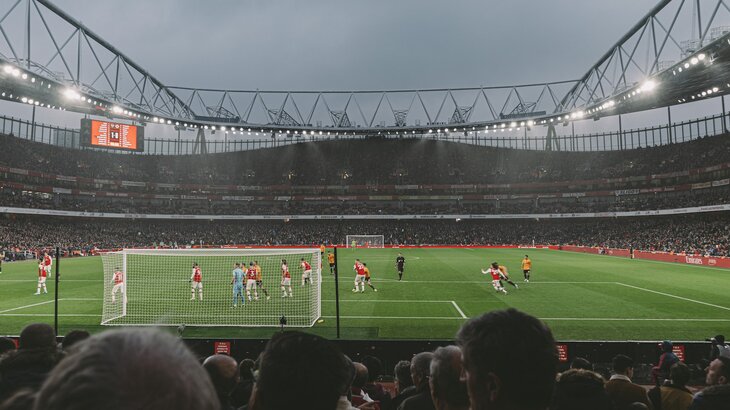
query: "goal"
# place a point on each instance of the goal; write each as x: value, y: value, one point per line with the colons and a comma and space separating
x: 365, y: 241
x: 157, y: 288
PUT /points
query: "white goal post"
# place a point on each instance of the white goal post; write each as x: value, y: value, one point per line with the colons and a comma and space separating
x: 365, y: 241
x: 159, y: 287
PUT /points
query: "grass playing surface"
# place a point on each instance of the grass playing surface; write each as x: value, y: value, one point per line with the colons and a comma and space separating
x: 581, y: 296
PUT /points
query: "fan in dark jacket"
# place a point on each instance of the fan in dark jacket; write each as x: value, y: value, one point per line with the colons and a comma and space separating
x: 27, y: 367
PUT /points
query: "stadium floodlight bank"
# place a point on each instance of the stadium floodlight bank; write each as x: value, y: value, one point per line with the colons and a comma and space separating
x: 365, y: 241
x: 157, y: 288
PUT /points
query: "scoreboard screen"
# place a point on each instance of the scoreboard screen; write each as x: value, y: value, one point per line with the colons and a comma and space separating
x: 112, y: 135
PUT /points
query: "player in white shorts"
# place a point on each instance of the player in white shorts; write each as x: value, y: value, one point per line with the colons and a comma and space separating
x: 196, y: 282
x: 47, y: 263
x: 497, y: 276
x: 41, y: 279
x: 306, y: 272
x: 118, y: 281
x: 251, y: 281
x: 285, y: 279
x: 359, y: 269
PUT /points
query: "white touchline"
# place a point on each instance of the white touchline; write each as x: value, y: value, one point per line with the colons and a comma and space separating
x: 673, y: 296
x: 27, y: 306
x: 459, y: 309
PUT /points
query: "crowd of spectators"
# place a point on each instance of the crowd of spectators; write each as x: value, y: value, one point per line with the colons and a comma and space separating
x: 703, y: 234
x: 503, y: 359
x: 370, y: 161
x: 683, y: 199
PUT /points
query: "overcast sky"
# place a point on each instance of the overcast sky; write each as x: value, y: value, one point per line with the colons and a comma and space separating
x: 363, y: 44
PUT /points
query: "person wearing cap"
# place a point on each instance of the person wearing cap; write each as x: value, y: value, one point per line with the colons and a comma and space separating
x: 660, y: 372
x: 719, y: 348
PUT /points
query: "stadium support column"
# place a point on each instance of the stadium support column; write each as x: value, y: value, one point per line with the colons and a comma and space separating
x: 32, y: 125
x: 55, y: 298
x: 620, y: 134
x: 337, y: 296
x: 724, y: 114
x: 669, y: 123
x: 200, y: 143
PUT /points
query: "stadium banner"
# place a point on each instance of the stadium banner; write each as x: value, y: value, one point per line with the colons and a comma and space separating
x: 710, y: 261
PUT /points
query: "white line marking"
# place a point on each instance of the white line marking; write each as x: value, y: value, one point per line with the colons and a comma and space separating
x: 459, y: 309
x: 673, y: 296
x: 27, y: 306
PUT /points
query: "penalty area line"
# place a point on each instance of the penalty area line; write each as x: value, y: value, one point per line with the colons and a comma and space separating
x: 27, y: 306
x: 458, y: 309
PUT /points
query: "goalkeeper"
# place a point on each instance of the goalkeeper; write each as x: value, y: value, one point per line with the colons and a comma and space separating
x: 237, y: 282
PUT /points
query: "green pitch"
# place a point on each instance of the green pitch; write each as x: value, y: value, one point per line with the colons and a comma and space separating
x: 581, y: 297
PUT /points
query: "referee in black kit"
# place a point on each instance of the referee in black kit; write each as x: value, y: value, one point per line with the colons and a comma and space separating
x: 400, y: 263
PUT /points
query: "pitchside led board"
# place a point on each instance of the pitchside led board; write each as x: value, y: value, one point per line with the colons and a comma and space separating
x: 111, y: 135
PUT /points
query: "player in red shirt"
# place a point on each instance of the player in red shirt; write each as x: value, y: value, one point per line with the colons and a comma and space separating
x: 359, y: 269
x: 47, y: 262
x: 251, y: 281
x: 496, y: 277
x: 196, y: 282
x: 42, y: 274
x: 306, y: 272
x: 118, y: 281
x: 285, y: 279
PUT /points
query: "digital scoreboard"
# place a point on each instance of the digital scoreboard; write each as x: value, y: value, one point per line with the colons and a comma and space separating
x: 111, y: 135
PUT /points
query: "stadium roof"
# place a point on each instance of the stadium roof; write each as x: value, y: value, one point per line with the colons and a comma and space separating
x: 651, y: 66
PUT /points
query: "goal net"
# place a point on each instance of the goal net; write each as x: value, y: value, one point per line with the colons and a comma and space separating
x: 159, y: 287
x: 365, y: 241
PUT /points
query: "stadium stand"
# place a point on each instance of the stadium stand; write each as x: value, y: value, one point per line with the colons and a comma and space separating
x: 327, y: 178
x: 693, y: 234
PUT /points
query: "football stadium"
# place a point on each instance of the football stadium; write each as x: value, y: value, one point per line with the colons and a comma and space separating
x: 342, y: 219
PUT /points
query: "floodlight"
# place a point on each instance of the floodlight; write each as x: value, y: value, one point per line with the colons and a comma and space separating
x: 649, y: 85
x: 71, y: 93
